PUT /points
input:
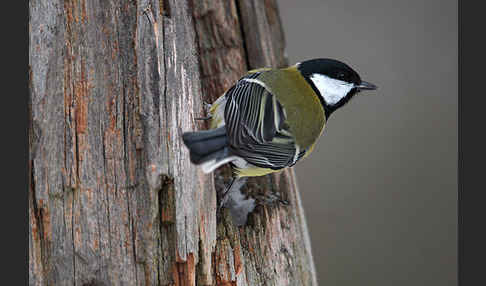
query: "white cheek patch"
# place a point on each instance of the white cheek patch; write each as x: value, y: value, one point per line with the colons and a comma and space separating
x: 333, y: 90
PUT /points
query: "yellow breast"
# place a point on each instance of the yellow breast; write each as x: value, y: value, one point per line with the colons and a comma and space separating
x: 254, y: 171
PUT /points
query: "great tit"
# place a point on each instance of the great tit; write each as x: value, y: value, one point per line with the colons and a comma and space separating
x: 272, y: 118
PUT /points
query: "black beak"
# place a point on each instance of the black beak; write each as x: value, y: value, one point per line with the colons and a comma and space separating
x: 366, y: 86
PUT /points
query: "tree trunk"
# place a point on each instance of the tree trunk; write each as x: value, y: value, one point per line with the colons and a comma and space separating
x: 113, y: 197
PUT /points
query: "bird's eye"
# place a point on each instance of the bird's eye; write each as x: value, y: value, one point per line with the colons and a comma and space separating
x: 341, y: 75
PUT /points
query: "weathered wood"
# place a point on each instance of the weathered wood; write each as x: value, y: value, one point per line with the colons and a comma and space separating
x: 113, y: 198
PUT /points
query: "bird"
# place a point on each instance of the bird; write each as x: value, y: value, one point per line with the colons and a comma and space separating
x: 271, y: 118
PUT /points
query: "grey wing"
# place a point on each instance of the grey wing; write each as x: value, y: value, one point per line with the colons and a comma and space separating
x: 256, y: 128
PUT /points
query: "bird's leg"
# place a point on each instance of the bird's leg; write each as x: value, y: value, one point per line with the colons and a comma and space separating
x: 226, y: 191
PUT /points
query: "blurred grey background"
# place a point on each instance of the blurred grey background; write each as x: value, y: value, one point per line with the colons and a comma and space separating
x: 380, y: 189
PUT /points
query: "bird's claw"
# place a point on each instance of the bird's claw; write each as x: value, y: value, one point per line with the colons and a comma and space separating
x: 206, y: 106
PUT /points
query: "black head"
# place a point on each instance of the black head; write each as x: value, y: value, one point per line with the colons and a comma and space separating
x: 334, y: 81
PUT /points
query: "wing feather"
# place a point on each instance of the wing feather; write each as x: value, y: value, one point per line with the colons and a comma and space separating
x: 256, y: 127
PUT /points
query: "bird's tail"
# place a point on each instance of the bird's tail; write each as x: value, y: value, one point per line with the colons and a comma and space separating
x: 208, y: 148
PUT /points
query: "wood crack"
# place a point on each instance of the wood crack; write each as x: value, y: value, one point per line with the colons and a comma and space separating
x: 73, y: 244
x: 38, y: 217
x: 242, y: 31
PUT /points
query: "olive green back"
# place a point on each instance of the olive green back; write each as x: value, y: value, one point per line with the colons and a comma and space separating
x: 305, y: 113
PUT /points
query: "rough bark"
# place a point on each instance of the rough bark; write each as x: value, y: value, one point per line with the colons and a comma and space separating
x: 113, y: 198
